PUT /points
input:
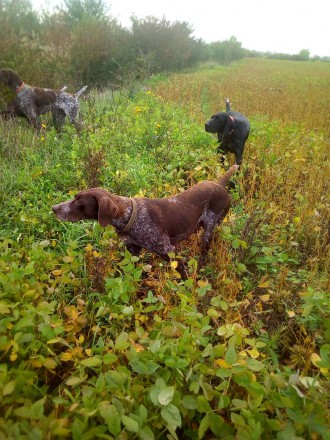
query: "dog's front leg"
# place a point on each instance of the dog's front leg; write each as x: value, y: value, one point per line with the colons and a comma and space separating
x: 34, y: 120
x: 134, y: 249
x: 206, y: 240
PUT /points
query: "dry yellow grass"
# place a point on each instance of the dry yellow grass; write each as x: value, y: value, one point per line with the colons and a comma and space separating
x: 289, y: 91
x: 285, y: 173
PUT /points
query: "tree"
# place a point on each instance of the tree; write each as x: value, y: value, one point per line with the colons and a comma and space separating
x: 226, y: 51
x: 165, y: 45
x: 303, y: 55
x: 83, y: 10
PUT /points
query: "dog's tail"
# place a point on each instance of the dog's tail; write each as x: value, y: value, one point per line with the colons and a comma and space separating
x: 227, y: 105
x: 63, y: 89
x: 225, y: 178
x: 81, y: 91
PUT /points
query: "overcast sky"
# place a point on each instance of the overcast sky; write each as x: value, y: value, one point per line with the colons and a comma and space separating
x: 265, y: 25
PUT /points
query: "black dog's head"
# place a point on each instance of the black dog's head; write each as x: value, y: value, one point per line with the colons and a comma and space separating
x: 218, y: 123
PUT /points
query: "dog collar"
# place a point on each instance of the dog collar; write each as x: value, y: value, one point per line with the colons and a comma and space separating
x: 19, y: 88
x: 133, y: 217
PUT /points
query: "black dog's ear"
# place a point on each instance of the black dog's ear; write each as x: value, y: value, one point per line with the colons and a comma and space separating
x: 107, y: 211
x: 221, y: 119
x: 230, y: 125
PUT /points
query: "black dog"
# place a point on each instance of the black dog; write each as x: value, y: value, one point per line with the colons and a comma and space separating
x: 232, y: 129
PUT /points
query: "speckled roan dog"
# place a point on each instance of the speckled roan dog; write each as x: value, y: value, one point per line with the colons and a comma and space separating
x: 232, y: 129
x: 156, y: 225
x: 30, y: 102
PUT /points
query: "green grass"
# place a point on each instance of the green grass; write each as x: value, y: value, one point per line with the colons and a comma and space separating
x: 95, y: 343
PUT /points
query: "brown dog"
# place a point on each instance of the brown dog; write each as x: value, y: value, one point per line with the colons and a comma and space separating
x: 156, y: 225
x: 30, y: 102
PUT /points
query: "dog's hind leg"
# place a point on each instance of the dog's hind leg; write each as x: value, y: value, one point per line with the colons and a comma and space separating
x: 58, y: 118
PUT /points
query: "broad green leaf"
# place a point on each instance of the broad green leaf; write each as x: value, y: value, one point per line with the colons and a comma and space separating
x: 34, y: 412
x: 235, y: 243
x: 239, y: 403
x: 74, y: 380
x: 130, y: 424
x: 189, y: 401
x: 37, y: 409
x: 208, y: 390
x: 255, y: 365
x: 142, y: 413
x: 203, y: 427
x: 203, y: 405
x: 146, y: 433
x: 237, y: 419
x: 122, y: 341
x: 27, y: 321
x: 171, y: 415
x: 216, y: 423
x: 143, y: 368
x: 29, y: 268
x: 155, y: 346
x: 23, y: 412
x: 182, y: 363
x: 325, y: 356
x: 112, y: 418
x: 8, y: 388
x: 231, y: 356
x: 156, y: 389
x: 94, y: 361
x: 219, y: 350
x: 109, y: 358
x: 166, y: 395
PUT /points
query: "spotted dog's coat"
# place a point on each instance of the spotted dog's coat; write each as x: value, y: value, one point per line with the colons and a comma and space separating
x: 30, y: 102
x: 159, y: 224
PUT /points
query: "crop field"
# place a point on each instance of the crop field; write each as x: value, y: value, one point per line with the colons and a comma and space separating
x: 98, y: 344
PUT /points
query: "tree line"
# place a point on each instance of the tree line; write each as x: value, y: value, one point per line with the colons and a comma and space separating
x: 82, y: 42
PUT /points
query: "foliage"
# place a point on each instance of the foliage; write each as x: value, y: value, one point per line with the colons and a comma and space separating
x: 166, y: 46
x: 96, y: 343
x: 226, y: 51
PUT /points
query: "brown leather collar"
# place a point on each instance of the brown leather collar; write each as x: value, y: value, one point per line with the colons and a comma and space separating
x: 133, y: 217
x: 19, y: 88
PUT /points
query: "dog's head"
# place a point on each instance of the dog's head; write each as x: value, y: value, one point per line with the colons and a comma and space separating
x: 9, y: 77
x: 217, y: 123
x: 92, y: 204
x: 220, y: 123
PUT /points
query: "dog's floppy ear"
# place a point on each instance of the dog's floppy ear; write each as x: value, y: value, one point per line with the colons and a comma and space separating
x: 221, y: 125
x: 4, y: 76
x: 107, y: 211
x: 230, y: 125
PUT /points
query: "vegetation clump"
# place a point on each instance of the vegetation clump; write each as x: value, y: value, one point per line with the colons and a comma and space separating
x: 96, y: 343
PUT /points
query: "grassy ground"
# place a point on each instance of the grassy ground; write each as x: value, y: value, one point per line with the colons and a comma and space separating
x: 95, y: 343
